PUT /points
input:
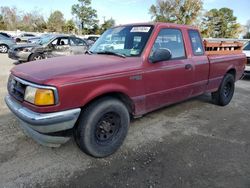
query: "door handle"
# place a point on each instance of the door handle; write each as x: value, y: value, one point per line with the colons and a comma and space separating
x: 188, y: 66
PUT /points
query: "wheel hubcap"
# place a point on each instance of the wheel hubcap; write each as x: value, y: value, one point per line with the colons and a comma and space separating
x: 107, y: 127
x: 3, y: 49
x: 37, y: 58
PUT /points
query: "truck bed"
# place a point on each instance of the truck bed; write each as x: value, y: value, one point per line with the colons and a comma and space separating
x: 219, y: 65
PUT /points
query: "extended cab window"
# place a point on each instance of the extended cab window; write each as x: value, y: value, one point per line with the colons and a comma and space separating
x: 196, y: 42
x: 170, y: 39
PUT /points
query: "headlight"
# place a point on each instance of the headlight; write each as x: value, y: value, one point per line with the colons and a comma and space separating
x: 39, y: 97
x: 27, y: 49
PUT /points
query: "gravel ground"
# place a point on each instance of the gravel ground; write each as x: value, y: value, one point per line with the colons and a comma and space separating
x: 191, y: 144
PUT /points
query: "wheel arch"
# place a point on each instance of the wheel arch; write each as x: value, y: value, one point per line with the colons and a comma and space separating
x: 232, y: 71
x: 5, y: 45
x: 30, y: 56
x: 121, y: 96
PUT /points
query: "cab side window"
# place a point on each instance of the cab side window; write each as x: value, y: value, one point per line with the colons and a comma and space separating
x: 196, y: 42
x: 172, y: 40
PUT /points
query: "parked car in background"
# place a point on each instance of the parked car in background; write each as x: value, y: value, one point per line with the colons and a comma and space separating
x: 6, y: 35
x: 6, y: 44
x: 37, y: 39
x: 112, y: 45
x: 24, y: 37
x: 49, y: 46
x: 93, y: 38
x: 246, y: 50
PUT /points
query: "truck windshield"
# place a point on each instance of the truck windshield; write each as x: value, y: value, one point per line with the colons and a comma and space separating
x: 124, y: 40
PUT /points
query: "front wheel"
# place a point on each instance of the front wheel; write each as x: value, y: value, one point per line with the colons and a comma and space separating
x: 35, y: 57
x: 102, y: 127
x: 3, y: 48
x: 225, y: 92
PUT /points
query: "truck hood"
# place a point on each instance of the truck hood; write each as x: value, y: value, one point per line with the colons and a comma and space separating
x: 71, y: 69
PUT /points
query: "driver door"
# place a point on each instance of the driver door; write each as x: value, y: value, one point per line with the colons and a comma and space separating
x: 169, y: 81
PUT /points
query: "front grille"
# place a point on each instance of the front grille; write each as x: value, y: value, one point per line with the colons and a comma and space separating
x: 16, y: 89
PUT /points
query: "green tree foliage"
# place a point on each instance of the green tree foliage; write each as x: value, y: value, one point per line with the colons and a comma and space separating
x: 3, y: 26
x: 220, y: 24
x: 107, y: 24
x: 85, y: 13
x: 94, y: 30
x: 69, y: 26
x: 176, y: 11
x: 56, y: 21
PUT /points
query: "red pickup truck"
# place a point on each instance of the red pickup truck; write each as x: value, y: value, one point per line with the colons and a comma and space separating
x: 131, y: 70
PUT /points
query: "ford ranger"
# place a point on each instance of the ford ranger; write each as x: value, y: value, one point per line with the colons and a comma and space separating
x: 94, y: 96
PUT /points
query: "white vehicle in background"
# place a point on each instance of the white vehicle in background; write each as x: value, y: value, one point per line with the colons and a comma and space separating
x: 24, y: 37
x: 112, y: 45
x: 246, y: 50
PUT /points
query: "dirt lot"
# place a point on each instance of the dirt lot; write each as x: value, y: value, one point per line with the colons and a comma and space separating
x: 192, y: 144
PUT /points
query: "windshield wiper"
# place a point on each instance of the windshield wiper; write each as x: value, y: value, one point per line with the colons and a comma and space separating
x: 112, y: 53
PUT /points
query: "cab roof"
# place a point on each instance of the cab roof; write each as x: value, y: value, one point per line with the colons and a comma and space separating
x: 156, y: 24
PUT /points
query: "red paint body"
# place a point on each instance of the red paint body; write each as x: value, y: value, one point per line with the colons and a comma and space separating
x: 81, y: 79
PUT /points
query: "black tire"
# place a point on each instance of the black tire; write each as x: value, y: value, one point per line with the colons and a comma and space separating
x: 102, y: 127
x: 225, y: 92
x: 36, y: 57
x: 4, y: 48
x: 18, y: 40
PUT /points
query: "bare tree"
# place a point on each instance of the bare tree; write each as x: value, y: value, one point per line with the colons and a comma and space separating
x: 248, y: 26
x: 10, y: 17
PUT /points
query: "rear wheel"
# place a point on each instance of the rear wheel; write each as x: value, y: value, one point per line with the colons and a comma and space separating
x: 3, y: 48
x: 102, y: 127
x: 225, y: 92
x: 35, y: 57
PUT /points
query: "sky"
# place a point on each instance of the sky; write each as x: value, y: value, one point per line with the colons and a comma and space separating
x: 123, y: 11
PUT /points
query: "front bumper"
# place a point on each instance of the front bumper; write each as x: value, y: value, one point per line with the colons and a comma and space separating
x: 19, y: 55
x: 39, y: 125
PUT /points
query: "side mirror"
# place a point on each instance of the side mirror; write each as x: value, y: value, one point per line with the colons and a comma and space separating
x: 161, y: 55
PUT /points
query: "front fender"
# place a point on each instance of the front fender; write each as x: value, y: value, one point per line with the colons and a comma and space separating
x: 103, y: 90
